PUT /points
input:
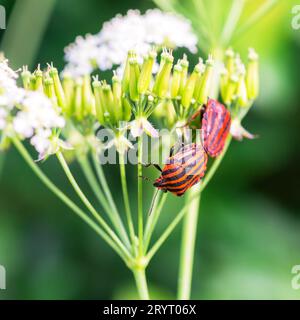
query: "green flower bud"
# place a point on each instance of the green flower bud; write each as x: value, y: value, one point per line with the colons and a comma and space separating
x: 98, y: 100
x: 223, y: 82
x: 38, y: 79
x: 78, y: 110
x: 241, y: 90
x: 163, y: 77
x: 117, y: 93
x: 252, y: 75
x: 229, y: 61
x: 176, y: 78
x: 32, y: 85
x: 88, y: 100
x: 61, y: 100
x: 49, y: 89
x: 25, y: 75
x: 185, y: 66
x: 231, y: 89
x: 146, y: 72
x: 108, y: 103
x: 205, y: 84
x: 163, y: 57
x: 190, y: 85
x: 133, y: 81
x: 126, y: 109
x: 126, y: 75
x: 68, y: 87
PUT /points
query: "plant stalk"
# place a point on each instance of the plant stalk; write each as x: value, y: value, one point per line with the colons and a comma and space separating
x: 89, y: 206
x: 113, y: 215
x: 189, y: 233
x: 141, y: 283
x: 66, y: 200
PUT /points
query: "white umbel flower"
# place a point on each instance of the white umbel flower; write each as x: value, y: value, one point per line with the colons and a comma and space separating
x: 31, y: 113
x: 110, y: 46
x: 36, y: 119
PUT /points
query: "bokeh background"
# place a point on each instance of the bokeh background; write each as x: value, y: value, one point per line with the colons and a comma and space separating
x: 249, y: 227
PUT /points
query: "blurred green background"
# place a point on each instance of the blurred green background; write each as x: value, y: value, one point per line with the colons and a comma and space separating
x: 249, y: 227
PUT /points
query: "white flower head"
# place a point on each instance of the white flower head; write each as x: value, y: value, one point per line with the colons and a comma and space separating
x: 110, y: 46
x: 36, y: 120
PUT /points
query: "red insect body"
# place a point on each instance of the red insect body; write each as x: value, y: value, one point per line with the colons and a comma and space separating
x: 183, y: 169
x: 215, y: 127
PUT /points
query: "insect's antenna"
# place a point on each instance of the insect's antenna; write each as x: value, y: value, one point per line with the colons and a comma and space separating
x: 152, y: 203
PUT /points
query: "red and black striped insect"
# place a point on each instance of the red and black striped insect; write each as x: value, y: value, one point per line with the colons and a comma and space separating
x: 183, y: 169
x: 216, y: 123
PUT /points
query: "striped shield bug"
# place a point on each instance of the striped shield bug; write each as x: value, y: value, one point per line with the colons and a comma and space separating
x: 183, y: 169
x: 216, y: 123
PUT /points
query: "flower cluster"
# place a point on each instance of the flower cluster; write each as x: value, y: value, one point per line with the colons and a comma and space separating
x: 133, y: 31
x: 27, y: 113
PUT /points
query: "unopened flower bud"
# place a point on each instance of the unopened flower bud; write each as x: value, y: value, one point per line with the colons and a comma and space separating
x: 134, y: 77
x: 108, y: 102
x: 229, y: 60
x: 252, y: 75
x: 26, y: 74
x: 190, y: 85
x: 117, y: 93
x: 241, y: 90
x: 98, y: 100
x: 126, y: 75
x: 88, y: 103
x: 38, y: 79
x: 224, y: 76
x: 61, y: 100
x: 78, y: 110
x: 127, y: 109
x: 32, y: 85
x: 146, y: 72
x: 176, y: 78
x: 49, y: 89
x: 231, y: 89
x: 184, y: 65
x: 205, y: 83
x: 68, y: 87
x: 163, y: 77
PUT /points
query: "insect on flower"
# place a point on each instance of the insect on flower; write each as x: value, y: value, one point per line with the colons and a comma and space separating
x: 183, y: 169
x: 215, y: 127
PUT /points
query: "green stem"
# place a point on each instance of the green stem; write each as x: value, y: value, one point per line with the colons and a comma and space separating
x: 126, y: 200
x: 140, y: 196
x: 141, y: 283
x: 49, y: 184
x: 113, y: 215
x: 166, y: 234
x: 89, y: 206
x: 189, y: 232
x: 153, y: 218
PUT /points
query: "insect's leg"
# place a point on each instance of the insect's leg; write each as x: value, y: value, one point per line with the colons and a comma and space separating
x: 193, y: 117
x: 155, y: 165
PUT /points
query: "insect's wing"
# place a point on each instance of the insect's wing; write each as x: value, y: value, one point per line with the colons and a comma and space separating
x: 215, y: 127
